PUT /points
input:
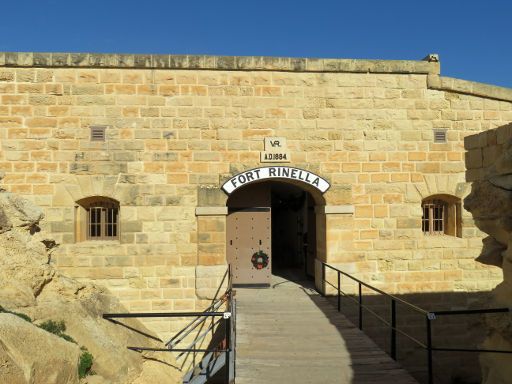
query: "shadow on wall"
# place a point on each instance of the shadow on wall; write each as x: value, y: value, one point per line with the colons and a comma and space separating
x: 454, y: 331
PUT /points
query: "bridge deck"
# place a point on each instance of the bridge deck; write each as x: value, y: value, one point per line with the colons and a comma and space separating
x: 288, y: 333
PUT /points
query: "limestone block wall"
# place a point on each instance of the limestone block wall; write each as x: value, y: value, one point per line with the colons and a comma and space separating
x: 489, y: 167
x: 177, y: 127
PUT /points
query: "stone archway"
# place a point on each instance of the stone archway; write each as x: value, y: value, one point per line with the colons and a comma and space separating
x: 329, y: 210
x: 283, y: 209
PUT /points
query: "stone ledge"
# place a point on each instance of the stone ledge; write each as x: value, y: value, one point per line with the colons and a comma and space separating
x: 336, y: 209
x: 466, y: 87
x: 242, y: 63
x: 211, y: 211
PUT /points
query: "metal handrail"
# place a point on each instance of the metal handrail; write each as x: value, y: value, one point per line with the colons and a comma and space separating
x: 392, y: 323
x: 397, y: 299
x: 224, y: 315
x: 227, y: 317
x: 198, y: 338
x: 386, y: 322
x: 216, y: 303
x: 159, y: 314
x: 184, y: 332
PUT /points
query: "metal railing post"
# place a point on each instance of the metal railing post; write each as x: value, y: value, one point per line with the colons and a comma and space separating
x: 227, y: 328
x: 339, y: 292
x: 393, y: 329
x: 323, y: 279
x: 429, y: 349
x: 360, y: 307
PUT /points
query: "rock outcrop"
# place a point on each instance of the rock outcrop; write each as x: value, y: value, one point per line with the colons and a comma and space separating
x: 490, y: 203
x: 29, y: 354
x: 29, y: 284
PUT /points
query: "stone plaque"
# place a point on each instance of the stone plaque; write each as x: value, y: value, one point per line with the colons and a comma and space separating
x: 275, y: 143
x: 275, y: 151
x: 274, y: 157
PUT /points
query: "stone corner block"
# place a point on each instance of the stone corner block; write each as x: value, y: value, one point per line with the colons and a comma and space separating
x: 211, y: 211
x: 208, y: 196
x: 210, y: 271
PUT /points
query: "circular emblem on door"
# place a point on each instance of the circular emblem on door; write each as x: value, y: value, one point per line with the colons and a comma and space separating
x: 259, y: 260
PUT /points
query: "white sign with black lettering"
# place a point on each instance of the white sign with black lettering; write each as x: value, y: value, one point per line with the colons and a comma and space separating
x: 263, y: 173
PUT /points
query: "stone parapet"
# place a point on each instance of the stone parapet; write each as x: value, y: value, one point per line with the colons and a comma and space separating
x: 451, y: 84
x: 197, y: 62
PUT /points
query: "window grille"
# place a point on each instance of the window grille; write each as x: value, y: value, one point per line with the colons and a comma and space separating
x: 434, y: 216
x: 102, y: 220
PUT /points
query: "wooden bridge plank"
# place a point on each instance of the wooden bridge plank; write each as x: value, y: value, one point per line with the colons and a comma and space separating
x: 290, y: 334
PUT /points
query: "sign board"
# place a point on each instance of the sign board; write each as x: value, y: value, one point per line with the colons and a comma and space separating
x: 274, y: 157
x: 276, y: 172
x: 275, y: 151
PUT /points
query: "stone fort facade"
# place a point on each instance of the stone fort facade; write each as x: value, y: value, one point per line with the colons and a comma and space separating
x: 128, y: 155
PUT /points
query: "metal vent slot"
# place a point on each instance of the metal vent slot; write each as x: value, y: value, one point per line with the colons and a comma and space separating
x: 439, y: 136
x: 98, y: 133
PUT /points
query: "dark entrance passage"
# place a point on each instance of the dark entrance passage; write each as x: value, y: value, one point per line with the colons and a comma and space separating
x: 271, y: 229
x: 293, y: 229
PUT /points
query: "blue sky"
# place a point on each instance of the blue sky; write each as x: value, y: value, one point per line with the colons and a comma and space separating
x: 473, y: 38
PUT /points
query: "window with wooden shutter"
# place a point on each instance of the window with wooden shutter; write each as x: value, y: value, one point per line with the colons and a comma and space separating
x: 97, y: 219
x: 441, y: 216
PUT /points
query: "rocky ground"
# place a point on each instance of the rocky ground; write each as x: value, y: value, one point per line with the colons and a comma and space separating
x: 30, y: 285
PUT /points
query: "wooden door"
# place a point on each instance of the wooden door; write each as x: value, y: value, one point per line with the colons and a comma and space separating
x: 249, y: 245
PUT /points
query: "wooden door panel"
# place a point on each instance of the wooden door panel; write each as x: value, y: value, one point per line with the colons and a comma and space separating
x: 248, y: 231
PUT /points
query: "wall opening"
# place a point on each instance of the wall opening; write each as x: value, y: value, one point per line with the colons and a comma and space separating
x: 272, y: 230
x: 96, y: 218
x: 293, y: 229
x: 442, y: 215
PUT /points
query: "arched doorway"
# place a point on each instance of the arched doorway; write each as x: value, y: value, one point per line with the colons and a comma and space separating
x: 273, y: 228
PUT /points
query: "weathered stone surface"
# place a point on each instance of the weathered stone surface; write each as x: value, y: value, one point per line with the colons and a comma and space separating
x: 25, y: 269
x: 29, y: 354
x: 211, y: 196
x: 19, y: 210
x: 30, y: 284
x: 490, y: 203
x: 211, y: 281
x: 94, y: 379
x: 5, y: 223
x: 491, y: 208
x: 491, y: 252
